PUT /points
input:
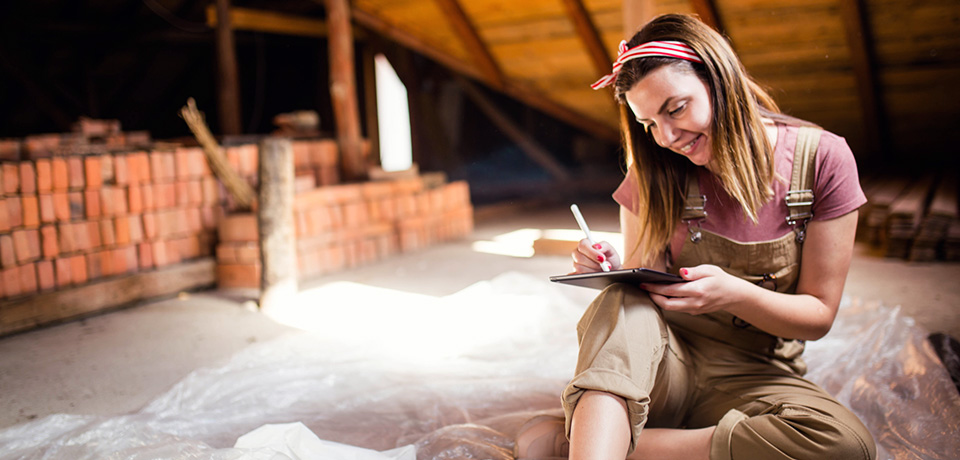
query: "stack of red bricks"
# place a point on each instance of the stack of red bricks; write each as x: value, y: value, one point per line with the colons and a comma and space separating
x: 351, y: 225
x: 67, y: 220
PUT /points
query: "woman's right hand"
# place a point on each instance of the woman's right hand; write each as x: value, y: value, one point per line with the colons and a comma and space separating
x: 588, y: 257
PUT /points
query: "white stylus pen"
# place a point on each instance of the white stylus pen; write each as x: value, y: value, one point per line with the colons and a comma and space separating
x: 586, y: 230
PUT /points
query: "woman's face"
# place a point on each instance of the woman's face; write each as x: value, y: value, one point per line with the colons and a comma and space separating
x: 673, y: 105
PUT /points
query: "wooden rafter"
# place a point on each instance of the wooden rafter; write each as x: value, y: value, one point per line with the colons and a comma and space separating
x: 635, y: 14
x: 228, y: 82
x: 861, y: 56
x: 476, y: 48
x: 526, y: 94
x: 268, y: 21
x: 707, y: 10
x: 589, y: 35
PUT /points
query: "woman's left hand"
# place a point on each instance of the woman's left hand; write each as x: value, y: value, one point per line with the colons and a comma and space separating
x: 708, y: 289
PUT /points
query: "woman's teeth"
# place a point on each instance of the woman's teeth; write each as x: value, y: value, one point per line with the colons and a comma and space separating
x: 686, y: 148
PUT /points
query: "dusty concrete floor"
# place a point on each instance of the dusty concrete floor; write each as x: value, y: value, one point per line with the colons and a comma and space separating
x: 115, y: 363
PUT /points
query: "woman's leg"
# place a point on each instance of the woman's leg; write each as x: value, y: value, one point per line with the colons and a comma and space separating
x: 630, y: 373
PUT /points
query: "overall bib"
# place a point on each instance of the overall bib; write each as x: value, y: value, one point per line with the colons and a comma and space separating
x: 676, y: 370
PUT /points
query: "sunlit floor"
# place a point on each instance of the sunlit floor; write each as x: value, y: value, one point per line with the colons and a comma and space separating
x: 116, y: 363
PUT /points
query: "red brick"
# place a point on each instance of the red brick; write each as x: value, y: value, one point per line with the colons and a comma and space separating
x: 31, y: 211
x: 75, y: 173
x: 208, y: 218
x: 113, y: 201
x: 194, y: 193
x: 194, y: 222
x: 95, y: 268
x: 238, y: 276
x: 28, y: 278
x: 239, y: 227
x: 82, y: 237
x: 182, y: 193
x: 49, y: 241
x: 130, y: 261
x: 93, y: 233
x: 121, y: 232
x: 45, y: 276
x: 121, y: 169
x: 162, y: 166
x: 61, y: 206
x: 150, y: 229
x: 11, y: 178
x: 44, y: 176
x: 165, y: 195
x: 162, y: 253
x: 64, y: 276
x: 77, y: 208
x: 26, y: 244
x: 8, y: 256
x: 14, y: 211
x: 211, y: 190
x: 93, y: 172
x: 59, y: 174
x: 145, y: 254
x: 91, y: 202
x: 135, y: 228
x: 48, y: 212
x: 106, y: 169
x: 78, y: 269
x: 107, y: 235
x: 148, y: 197
x: 11, y: 281
x: 67, y: 240
x: 4, y: 216
x: 134, y: 199
x: 28, y: 178
x: 141, y: 164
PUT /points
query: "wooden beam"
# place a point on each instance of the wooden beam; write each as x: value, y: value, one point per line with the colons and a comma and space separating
x: 861, y: 56
x: 17, y: 315
x: 343, y: 90
x: 529, y: 146
x: 476, y: 48
x: 278, y: 246
x: 228, y: 84
x: 524, y: 93
x: 707, y: 10
x: 270, y: 22
x: 589, y: 35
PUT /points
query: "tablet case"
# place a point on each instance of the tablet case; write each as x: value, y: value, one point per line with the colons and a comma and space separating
x: 634, y: 276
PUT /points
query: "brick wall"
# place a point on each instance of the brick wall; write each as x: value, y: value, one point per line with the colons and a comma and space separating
x: 76, y: 209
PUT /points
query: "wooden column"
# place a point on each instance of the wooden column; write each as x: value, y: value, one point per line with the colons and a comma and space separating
x: 343, y: 90
x: 228, y: 87
x: 278, y: 246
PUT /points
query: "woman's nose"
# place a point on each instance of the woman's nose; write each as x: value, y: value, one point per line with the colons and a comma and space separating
x: 665, y: 135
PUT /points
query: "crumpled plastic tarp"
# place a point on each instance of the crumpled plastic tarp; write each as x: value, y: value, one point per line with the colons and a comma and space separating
x: 455, y: 377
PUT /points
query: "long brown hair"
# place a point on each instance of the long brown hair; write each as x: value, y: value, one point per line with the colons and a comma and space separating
x: 742, y: 155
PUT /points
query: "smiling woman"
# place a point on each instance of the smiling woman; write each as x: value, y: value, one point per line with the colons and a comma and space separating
x: 711, y: 367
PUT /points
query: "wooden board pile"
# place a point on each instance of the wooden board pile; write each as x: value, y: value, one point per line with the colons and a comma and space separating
x: 915, y: 220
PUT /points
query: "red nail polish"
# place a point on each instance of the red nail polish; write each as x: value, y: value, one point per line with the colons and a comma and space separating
x: 601, y: 258
x: 597, y: 246
x: 683, y: 271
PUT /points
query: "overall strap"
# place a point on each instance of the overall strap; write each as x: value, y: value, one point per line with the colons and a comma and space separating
x: 800, y: 197
x: 694, y: 206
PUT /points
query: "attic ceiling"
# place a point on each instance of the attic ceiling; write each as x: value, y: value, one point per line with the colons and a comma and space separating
x: 883, y: 73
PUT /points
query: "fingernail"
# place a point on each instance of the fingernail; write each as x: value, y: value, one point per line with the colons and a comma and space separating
x: 597, y: 246
x: 683, y: 271
x: 601, y: 258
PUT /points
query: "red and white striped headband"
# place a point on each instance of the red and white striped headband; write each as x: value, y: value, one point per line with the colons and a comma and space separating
x: 671, y: 49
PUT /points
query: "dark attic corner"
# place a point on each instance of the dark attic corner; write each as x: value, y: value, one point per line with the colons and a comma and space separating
x: 229, y: 224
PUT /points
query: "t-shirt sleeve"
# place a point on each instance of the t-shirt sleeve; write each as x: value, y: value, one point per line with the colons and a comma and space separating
x: 837, y: 189
x: 626, y: 194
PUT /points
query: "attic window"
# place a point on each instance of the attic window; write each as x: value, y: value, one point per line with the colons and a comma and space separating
x: 396, y: 152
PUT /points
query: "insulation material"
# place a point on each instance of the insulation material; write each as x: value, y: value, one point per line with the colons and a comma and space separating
x: 454, y: 377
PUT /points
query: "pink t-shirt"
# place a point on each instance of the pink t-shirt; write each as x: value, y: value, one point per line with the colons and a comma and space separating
x: 836, y: 192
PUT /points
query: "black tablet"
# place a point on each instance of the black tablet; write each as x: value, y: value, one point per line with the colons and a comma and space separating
x: 634, y: 276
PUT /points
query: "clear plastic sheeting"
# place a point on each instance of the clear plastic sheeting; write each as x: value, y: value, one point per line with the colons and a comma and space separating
x: 455, y: 377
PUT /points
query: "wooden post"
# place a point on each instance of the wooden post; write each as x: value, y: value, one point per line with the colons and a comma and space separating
x: 278, y: 247
x: 343, y: 90
x: 228, y: 89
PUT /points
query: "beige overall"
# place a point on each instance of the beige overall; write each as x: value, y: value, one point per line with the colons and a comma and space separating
x: 677, y: 370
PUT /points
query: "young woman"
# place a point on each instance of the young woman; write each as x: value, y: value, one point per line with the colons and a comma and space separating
x: 757, y: 212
